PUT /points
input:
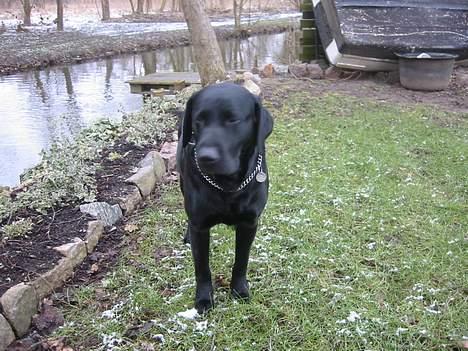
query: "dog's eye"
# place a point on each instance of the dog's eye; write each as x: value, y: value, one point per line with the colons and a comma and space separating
x: 233, y: 121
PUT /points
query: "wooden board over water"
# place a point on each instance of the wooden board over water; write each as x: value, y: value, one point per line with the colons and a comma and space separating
x: 163, y: 80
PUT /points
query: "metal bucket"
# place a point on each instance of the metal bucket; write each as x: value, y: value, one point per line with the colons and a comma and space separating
x: 428, y: 71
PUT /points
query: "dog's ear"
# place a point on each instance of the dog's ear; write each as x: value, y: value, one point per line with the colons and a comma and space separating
x: 264, y: 125
x: 187, y: 122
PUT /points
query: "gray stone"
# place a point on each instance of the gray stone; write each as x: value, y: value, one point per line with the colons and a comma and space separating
x: 314, y: 71
x: 298, y: 70
x: 7, y: 336
x: 253, y: 77
x: 333, y: 73
x: 19, y: 304
x: 462, y: 79
x: 75, y: 251
x: 168, y: 153
x: 109, y: 214
x: 94, y: 233
x: 145, y: 179
x: 154, y: 159
x: 54, y: 278
x: 281, y: 69
x: 252, y: 87
x: 130, y: 201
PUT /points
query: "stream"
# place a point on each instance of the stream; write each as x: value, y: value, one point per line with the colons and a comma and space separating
x: 41, y: 106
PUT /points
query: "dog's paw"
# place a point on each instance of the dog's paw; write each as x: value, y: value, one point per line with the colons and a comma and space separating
x: 240, y: 289
x: 203, y: 305
x: 204, y: 300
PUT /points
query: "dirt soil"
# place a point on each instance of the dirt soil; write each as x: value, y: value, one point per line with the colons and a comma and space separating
x: 24, y: 259
x: 382, y: 87
x: 38, y: 49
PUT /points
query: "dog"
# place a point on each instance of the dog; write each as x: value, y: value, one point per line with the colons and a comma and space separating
x: 223, y: 177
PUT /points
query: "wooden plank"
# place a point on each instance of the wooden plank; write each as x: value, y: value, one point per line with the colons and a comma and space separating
x: 167, y: 78
x: 163, y: 80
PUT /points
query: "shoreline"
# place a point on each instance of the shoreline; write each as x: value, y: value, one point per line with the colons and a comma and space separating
x: 29, y: 50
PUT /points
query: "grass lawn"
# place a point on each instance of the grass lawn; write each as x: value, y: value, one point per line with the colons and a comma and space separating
x: 361, y: 247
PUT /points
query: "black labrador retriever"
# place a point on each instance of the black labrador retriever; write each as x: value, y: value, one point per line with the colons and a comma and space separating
x: 223, y: 177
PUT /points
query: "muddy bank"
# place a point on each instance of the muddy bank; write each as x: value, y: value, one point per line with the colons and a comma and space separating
x: 23, y: 51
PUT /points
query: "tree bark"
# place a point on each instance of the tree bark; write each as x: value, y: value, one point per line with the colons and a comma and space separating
x: 132, y: 5
x: 163, y: 5
x: 27, y: 8
x: 60, y: 15
x: 105, y: 9
x: 205, y: 45
x: 140, y: 5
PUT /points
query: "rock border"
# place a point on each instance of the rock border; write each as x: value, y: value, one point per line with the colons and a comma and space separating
x: 21, y: 302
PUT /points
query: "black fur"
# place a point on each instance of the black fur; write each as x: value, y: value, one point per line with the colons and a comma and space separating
x: 228, y: 126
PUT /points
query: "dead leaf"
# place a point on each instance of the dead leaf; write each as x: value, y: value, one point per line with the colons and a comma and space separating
x: 130, y: 227
x: 94, y: 268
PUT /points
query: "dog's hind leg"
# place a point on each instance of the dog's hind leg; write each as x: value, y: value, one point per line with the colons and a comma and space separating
x: 245, y: 234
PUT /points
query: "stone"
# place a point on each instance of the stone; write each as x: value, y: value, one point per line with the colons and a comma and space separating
x: 19, y: 304
x: 333, y: 73
x: 251, y: 76
x: 252, y: 87
x: 314, y: 71
x: 154, y: 159
x: 462, y: 79
x: 94, y: 233
x: 7, y: 336
x: 54, y: 278
x: 298, y: 70
x: 280, y: 69
x: 129, y: 202
x: 268, y: 71
x: 255, y: 70
x: 103, y: 211
x: 145, y: 179
x: 75, y: 251
x: 169, y: 154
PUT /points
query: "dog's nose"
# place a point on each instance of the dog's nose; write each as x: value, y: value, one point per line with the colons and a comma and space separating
x: 208, y: 155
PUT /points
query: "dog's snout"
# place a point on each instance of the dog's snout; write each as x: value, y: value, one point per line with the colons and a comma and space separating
x: 208, y: 155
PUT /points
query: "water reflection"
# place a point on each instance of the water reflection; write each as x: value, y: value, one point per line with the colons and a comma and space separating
x: 41, y: 106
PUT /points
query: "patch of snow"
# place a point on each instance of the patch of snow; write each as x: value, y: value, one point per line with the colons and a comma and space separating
x: 189, y: 314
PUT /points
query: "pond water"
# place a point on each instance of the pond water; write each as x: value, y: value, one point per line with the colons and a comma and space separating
x: 41, y: 106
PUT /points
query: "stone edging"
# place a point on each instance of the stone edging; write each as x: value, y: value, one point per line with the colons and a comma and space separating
x: 21, y: 302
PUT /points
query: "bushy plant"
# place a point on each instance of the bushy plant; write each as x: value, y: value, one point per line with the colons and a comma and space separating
x: 66, y: 173
x: 16, y: 229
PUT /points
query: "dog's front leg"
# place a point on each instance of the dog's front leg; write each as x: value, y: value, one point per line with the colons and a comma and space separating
x: 200, y: 242
x: 245, y: 234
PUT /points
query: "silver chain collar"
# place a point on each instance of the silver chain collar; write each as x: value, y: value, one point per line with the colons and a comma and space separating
x: 258, y: 169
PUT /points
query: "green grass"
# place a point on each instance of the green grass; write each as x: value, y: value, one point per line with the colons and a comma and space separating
x: 361, y: 247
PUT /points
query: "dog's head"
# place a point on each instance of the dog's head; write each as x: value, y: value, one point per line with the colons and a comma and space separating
x: 225, y: 121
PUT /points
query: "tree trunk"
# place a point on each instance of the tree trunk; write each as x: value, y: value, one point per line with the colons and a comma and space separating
x: 140, y: 5
x: 237, y: 7
x: 60, y: 15
x: 163, y: 5
x: 27, y: 8
x: 149, y: 5
x: 105, y: 9
x: 205, y: 45
x: 132, y: 5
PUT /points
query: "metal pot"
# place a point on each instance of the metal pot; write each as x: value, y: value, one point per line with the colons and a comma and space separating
x: 428, y: 71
